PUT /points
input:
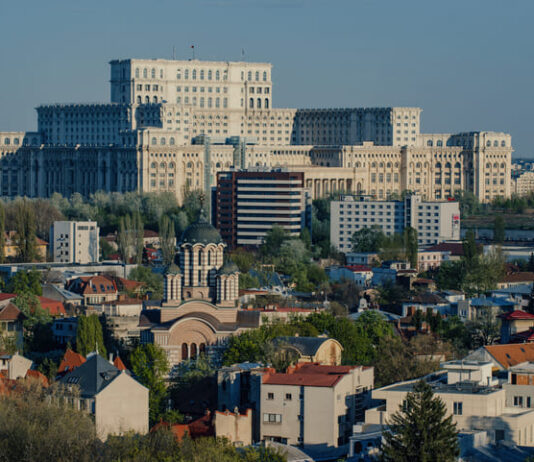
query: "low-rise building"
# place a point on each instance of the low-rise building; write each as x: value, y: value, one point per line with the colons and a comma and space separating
x: 118, y: 402
x: 11, y: 249
x: 14, y: 366
x: 314, y: 405
x: 95, y: 290
x: 514, y: 323
x: 75, y: 241
x: 234, y: 426
x: 503, y: 357
x: 64, y: 330
x: 11, y: 319
x: 360, y: 274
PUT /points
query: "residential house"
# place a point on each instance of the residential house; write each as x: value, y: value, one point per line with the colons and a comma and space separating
x: 516, y: 279
x: 430, y: 259
x: 423, y: 302
x: 503, y: 357
x: 362, y: 258
x: 360, y: 274
x: 118, y: 402
x: 514, y: 324
x: 313, y: 405
x: 453, y: 251
x: 14, y: 366
x: 11, y: 249
x: 95, y: 290
x: 64, y: 330
x: 319, y: 350
x: 11, y: 319
x: 59, y: 294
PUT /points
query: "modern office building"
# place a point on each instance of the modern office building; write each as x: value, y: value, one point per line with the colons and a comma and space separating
x: 249, y: 203
x: 435, y: 221
x: 174, y: 124
x: 75, y: 241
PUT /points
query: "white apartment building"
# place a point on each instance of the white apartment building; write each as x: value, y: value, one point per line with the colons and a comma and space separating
x: 435, y: 221
x: 523, y: 184
x: 75, y: 241
x: 313, y: 404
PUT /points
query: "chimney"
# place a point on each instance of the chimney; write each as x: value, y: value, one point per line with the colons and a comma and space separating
x: 110, y: 358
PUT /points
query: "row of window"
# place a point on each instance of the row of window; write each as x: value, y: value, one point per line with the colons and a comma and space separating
x: 202, y: 74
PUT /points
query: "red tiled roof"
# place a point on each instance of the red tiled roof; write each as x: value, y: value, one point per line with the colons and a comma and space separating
x: 512, y: 353
x: 525, y: 336
x: 516, y: 315
x: 6, y: 296
x: 117, y: 362
x: 70, y: 361
x: 524, y: 276
x: 455, y: 248
x: 38, y: 376
x: 198, y: 428
x: 309, y: 375
x: 54, y: 307
x: 10, y: 313
x: 92, y: 285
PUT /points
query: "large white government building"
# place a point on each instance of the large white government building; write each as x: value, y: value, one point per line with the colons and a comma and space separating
x: 173, y: 124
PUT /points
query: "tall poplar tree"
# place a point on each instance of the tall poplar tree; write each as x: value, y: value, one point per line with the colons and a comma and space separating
x: 2, y: 232
x: 25, y: 231
x: 411, y: 246
x: 419, y: 431
x: 89, y: 336
x: 167, y: 239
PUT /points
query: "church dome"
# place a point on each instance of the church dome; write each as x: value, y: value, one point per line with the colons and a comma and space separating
x: 173, y: 268
x: 201, y: 232
x: 229, y: 267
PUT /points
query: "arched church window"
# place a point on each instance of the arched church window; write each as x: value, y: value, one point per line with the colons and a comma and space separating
x: 193, y: 351
x: 185, y: 352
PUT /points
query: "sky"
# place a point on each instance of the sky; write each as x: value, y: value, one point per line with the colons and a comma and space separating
x: 468, y: 63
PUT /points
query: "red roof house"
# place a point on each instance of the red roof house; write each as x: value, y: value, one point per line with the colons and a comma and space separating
x: 71, y: 360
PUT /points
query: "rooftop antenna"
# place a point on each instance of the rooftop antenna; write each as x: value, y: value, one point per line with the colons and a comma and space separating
x: 242, y: 53
x: 193, y: 48
x: 173, y: 53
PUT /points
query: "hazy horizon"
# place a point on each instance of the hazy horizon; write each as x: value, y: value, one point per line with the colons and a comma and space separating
x: 468, y: 65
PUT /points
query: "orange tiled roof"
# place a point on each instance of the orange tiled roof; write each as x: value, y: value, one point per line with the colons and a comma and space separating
x: 70, y: 361
x: 511, y: 354
x: 54, y: 307
x: 196, y: 429
x: 523, y: 276
x: 309, y: 375
x: 10, y: 313
x: 37, y: 375
x: 117, y: 362
x: 92, y: 285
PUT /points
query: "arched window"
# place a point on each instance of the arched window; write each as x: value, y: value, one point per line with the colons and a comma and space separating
x: 162, y: 141
x: 193, y: 351
x: 145, y: 73
x: 202, y: 348
x: 495, y: 165
x: 137, y: 72
x: 155, y: 99
x: 503, y: 166
x: 488, y: 143
x: 202, y: 74
x: 194, y: 74
x: 171, y: 165
x: 147, y: 99
x: 249, y: 75
x: 251, y: 103
x: 190, y: 165
x: 503, y: 143
x: 388, y: 165
x: 210, y: 74
x: 266, y: 103
x: 448, y: 165
x: 488, y: 165
x: 257, y: 76
x: 217, y: 75
x: 153, y: 165
x: 438, y: 165
x: 265, y: 76
x: 457, y: 165
x: 496, y: 144
x: 418, y: 165
x: 162, y: 165
x: 185, y: 352
x: 218, y: 165
x: 171, y: 141
x: 258, y: 104
x: 161, y: 73
x: 186, y: 74
x: 154, y: 141
x: 209, y: 257
x: 429, y: 143
x: 373, y: 165
x: 439, y: 143
x: 153, y: 73
x: 139, y: 100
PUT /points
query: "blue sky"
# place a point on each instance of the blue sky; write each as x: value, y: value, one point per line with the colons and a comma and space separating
x: 468, y: 63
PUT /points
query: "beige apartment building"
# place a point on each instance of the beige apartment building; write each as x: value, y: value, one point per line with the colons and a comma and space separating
x: 313, y: 404
x: 523, y: 184
x: 173, y: 124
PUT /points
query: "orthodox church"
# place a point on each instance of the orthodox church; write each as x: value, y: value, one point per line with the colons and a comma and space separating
x: 200, y: 306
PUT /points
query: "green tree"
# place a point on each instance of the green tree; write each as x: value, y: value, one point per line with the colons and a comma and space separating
x: 125, y: 241
x: 25, y: 231
x: 89, y: 336
x: 368, y: 239
x: 417, y: 320
x: 411, y: 245
x: 139, y: 235
x: 150, y: 366
x: 499, y: 229
x: 153, y: 282
x: 106, y: 249
x: 25, y: 282
x: 484, y: 329
x: 243, y: 258
x: 33, y: 312
x: 337, y: 309
x: 420, y: 430
x: 167, y: 240
x: 274, y: 238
